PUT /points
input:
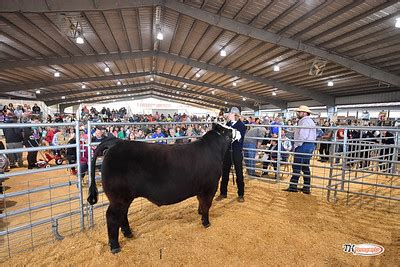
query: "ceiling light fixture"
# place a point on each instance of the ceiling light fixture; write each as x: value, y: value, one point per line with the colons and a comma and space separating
x: 80, y: 40
x: 37, y: 91
x: 185, y: 86
x: 244, y: 99
x: 198, y: 75
x: 119, y: 83
x: 160, y: 36
x: 330, y: 83
x: 177, y: 92
x: 151, y: 79
x: 63, y: 97
x: 57, y: 74
x: 397, y: 25
x: 276, y: 68
x: 106, y: 69
x: 234, y: 83
x: 226, y: 102
x: 98, y: 93
x: 213, y: 92
x: 83, y: 86
x: 222, y: 53
x: 125, y: 90
x: 274, y: 93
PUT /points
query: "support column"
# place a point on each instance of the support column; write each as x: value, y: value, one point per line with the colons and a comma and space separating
x: 331, y: 112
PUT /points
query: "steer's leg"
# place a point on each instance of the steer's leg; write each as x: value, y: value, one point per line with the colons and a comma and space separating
x: 205, y: 204
x: 113, y: 216
x: 199, y: 211
x: 125, y: 228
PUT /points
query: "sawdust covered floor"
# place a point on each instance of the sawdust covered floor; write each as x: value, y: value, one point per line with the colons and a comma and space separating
x: 270, y: 228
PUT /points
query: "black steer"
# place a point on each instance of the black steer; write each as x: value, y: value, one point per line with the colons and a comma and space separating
x: 163, y: 174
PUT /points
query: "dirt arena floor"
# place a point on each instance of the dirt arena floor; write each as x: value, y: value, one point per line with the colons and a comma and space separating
x: 270, y: 228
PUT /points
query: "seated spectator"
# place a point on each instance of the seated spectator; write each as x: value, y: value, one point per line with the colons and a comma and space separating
x: 158, y: 134
x: 273, y: 155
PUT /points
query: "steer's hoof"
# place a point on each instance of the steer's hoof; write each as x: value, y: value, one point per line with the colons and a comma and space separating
x: 206, y: 225
x: 128, y: 235
x: 115, y: 250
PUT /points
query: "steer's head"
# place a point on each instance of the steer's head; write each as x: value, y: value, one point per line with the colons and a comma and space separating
x: 229, y: 133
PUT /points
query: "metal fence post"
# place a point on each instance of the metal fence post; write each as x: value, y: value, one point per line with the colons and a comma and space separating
x: 395, y: 153
x: 344, y: 159
x: 278, y: 160
x: 79, y: 176
x: 90, y: 208
x: 332, y: 159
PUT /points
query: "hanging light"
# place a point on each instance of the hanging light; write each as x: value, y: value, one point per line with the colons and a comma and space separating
x: 37, y: 91
x: 226, y: 102
x: 222, y: 53
x: 274, y: 93
x: 57, y: 74
x: 80, y: 40
x: 106, y: 69
x: 125, y: 90
x: 234, y: 83
x: 198, y: 75
x: 151, y: 79
x: 119, y: 83
x: 200, y: 97
x: 213, y: 92
x: 177, y: 92
x: 397, y: 25
x: 330, y: 83
x: 98, y: 93
x: 244, y: 99
x: 83, y: 86
x: 63, y: 97
x: 185, y: 86
x: 133, y: 98
x: 160, y: 36
x: 276, y: 68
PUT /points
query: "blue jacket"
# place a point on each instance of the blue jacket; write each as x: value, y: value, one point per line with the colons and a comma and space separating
x: 238, y: 145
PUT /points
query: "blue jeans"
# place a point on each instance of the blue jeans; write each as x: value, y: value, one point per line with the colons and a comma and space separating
x: 250, y: 154
x: 306, y: 148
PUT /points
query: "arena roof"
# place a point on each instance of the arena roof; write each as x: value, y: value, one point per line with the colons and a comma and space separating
x: 217, y: 53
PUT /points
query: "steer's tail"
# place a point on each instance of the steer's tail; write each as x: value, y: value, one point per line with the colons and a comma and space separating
x: 104, y: 145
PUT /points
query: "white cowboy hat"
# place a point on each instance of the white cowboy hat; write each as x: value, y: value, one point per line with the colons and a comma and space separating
x: 303, y: 108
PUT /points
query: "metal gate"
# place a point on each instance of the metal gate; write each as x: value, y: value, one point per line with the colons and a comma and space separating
x: 43, y: 204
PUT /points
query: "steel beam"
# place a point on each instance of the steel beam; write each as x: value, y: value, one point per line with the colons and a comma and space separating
x: 276, y: 102
x: 47, y: 97
x: 39, y: 6
x: 205, y: 16
x: 158, y: 88
x: 151, y: 92
x: 262, y: 35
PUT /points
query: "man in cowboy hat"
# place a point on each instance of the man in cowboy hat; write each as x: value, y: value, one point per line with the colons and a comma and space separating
x: 304, y: 138
x: 234, y: 154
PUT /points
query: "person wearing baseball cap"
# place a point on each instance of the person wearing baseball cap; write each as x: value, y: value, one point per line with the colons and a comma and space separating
x: 233, y: 155
x: 304, y: 138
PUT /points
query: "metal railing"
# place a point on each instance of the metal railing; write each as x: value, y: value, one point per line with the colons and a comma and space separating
x: 39, y: 204
x: 356, y: 164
